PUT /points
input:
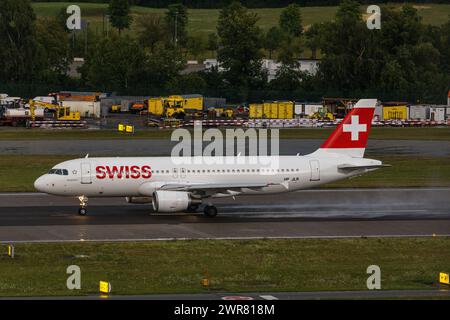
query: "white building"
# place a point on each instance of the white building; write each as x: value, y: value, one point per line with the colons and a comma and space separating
x: 271, y: 66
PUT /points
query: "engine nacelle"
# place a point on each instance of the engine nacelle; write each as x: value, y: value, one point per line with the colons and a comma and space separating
x: 171, y: 201
x: 138, y: 199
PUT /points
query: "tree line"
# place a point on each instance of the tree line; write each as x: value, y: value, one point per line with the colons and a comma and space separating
x: 404, y: 60
x: 215, y: 4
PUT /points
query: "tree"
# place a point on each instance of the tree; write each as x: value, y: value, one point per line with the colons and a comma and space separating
x: 191, y: 82
x: 240, y: 52
x: 273, y: 40
x: 213, y: 42
x: 119, y: 14
x: 291, y: 20
x: 313, y: 39
x: 177, y: 21
x: 115, y: 64
x: 152, y: 30
x: 195, y: 46
x: 17, y: 38
x: 53, y: 49
x: 346, y: 65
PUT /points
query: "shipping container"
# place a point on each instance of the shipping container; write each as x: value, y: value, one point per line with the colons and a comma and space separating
x: 418, y: 112
x: 256, y: 110
x: 311, y: 109
x: 193, y: 102
x: 286, y: 110
x: 272, y: 110
x: 85, y: 108
x: 299, y: 108
x: 395, y: 113
x: 156, y: 105
x: 436, y: 113
x: 209, y: 102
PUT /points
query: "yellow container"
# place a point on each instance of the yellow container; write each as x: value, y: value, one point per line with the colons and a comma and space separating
x: 395, y: 113
x: 267, y: 110
x: 121, y: 127
x: 156, y: 106
x: 285, y: 110
x: 194, y: 102
x: 256, y: 111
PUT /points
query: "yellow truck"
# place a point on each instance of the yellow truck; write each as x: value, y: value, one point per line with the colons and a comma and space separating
x: 272, y: 110
x: 164, y: 106
x: 190, y: 102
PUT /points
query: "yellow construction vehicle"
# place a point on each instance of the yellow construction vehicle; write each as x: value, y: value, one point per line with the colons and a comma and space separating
x: 61, y: 113
x: 172, y: 112
x: 229, y: 112
x: 323, y: 114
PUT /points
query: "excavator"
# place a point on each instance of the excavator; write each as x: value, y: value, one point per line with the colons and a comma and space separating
x: 61, y: 113
x: 323, y: 114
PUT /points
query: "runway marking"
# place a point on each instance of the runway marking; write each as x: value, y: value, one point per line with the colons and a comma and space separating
x: 268, y: 297
x: 230, y: 238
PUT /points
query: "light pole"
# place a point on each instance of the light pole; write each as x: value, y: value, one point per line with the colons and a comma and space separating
x: 176, y: 22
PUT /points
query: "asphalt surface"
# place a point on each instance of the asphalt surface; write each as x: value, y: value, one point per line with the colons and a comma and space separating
x: 443, y: 292
x: 305, y: 214
x: 163, y: 147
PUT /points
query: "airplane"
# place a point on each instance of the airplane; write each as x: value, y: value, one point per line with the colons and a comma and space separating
x: 173, y: 187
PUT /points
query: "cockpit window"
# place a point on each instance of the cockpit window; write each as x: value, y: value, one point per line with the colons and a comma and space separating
x: 61, y: 172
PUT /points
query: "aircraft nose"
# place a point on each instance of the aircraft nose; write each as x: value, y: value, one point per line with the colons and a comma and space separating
x: 40, y: 184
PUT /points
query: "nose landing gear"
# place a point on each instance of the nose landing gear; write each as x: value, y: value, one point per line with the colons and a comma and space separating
x: 83, y: 204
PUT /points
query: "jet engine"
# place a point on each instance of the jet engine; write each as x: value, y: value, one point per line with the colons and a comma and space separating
x: 172, y: 201
x: 138, y: 199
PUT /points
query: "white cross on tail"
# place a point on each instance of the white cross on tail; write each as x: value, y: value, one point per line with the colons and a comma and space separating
x: 355, y: 128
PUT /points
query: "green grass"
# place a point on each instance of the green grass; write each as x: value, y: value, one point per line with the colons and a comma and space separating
x: 232, y: 266
x: 406, y: 171
x: 204, y: 21
x: 426, y: 133
x: 17, y: 173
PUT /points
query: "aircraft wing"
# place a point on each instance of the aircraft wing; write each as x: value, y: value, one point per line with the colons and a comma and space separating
x: 206, y: 189
x: 361, y: 167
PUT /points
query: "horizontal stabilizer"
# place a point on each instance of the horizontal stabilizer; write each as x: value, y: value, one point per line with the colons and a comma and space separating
x: 360, y: 167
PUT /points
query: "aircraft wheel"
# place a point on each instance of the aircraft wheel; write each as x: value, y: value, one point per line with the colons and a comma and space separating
x: 82, y: 211
x: 210, y: 211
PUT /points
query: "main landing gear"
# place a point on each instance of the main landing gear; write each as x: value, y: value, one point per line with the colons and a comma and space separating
x: 210, y: 211
x: 193, y: 208
x: 83, y: 204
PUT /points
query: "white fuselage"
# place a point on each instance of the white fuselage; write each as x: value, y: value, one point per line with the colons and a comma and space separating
x: 141, y: 176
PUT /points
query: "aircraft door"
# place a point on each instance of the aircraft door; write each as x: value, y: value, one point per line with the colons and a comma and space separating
x: 86, y: 173
x: 315, y: 170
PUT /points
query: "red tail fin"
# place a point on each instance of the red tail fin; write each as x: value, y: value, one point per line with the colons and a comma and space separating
x: 350, y: 136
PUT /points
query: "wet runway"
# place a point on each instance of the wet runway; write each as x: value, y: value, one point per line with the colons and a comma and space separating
x: 305, y: 214
x: 162, y: 147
